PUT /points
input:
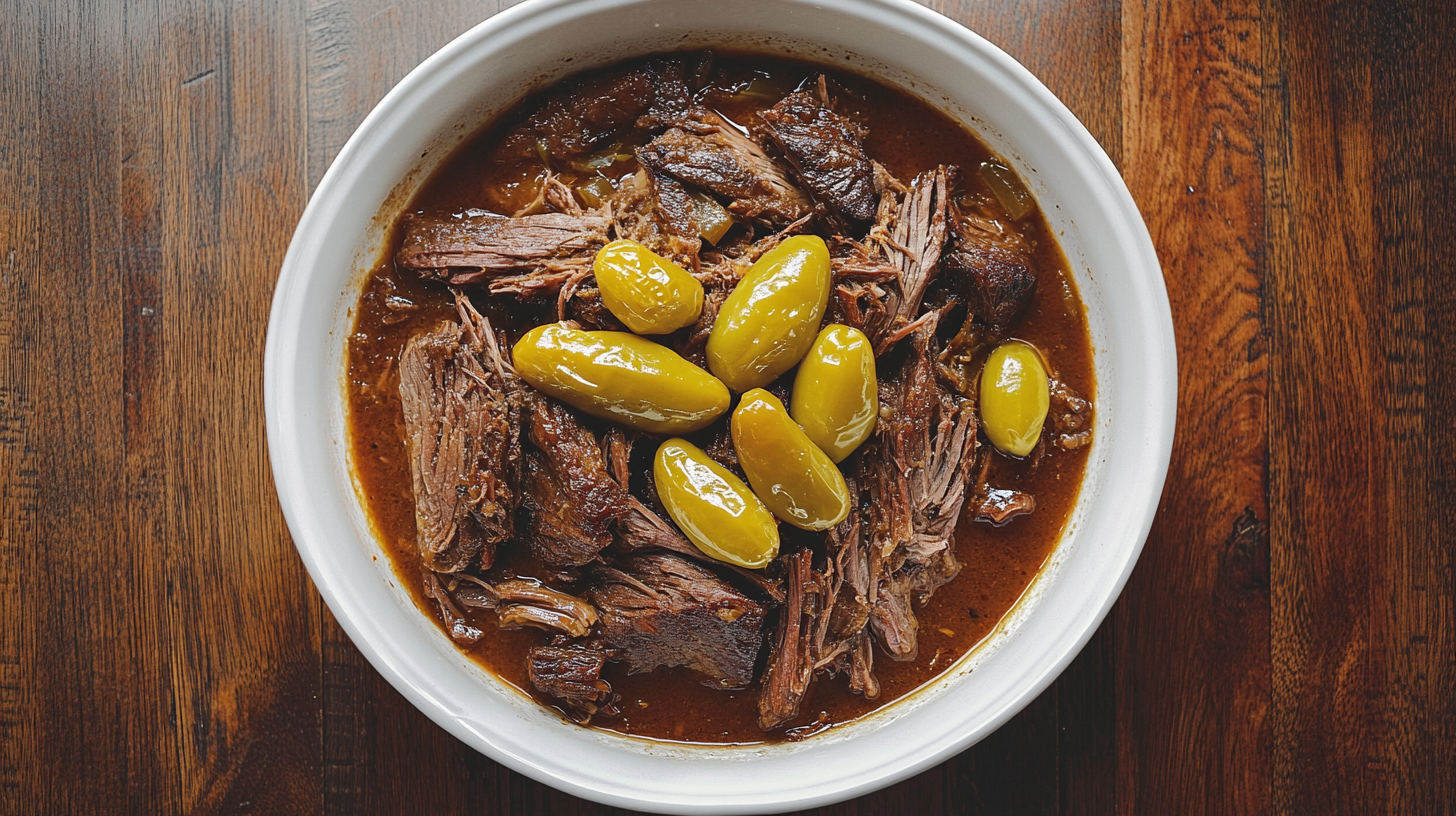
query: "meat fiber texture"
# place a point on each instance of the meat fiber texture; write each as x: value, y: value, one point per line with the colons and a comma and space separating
x: 462, y: 403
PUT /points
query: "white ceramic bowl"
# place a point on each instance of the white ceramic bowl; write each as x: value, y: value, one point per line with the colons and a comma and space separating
x: 443, y: 101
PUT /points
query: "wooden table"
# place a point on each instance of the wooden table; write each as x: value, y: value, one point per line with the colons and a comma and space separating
x: 1285, y: 645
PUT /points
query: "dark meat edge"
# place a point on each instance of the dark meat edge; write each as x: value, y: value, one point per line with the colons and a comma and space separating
x: 578, y: 118
x: 662, y: 610
x: 705, y: 150
x: 574, y: 501
x: 826, y: 151
x: 572, y: 674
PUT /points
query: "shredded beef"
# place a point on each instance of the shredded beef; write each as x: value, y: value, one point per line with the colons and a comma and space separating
x: 705, y: 150
x: 573, y: 501
x: 850, y: 584
x: 880, y: 283
x: 462, y: 404
x: 528, y: 602
x: 660, y: 610
x: 892, y: 619
x: 916, y: 473
x: 827, y: 153
x: 572, y: 674
x: 480, y: 246
x: 791, y: 662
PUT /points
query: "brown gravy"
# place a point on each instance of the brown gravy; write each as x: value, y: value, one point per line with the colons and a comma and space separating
x: 908, y: 136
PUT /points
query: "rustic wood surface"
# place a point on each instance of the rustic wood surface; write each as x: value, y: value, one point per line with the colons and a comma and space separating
x: 1286, y: 644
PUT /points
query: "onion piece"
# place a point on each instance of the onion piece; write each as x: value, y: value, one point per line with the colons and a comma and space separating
x: 1015, y: 199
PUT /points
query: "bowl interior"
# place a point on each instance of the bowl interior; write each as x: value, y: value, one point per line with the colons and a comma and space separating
x: 443, y: 102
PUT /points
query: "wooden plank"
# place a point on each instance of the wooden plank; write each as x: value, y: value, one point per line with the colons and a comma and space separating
x: 241, y: 633
x: 152, y: 758
x: 19, y: 477
x: 1192, y: 659
x: 1414, y: 142
x: 70, y: 645
x: 1363, y: 634
x: 1414, y: 136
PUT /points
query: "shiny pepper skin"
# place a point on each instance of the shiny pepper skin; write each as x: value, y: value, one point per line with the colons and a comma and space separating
x: 647, y: 292
x: 836, y: 397
x: 769, y: 321
x: 713, y: 507
x: 787, y: 470
x: 621, y: 377
x: 1015, y: 395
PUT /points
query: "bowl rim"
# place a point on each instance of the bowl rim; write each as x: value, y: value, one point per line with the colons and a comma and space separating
x: 282, y: 427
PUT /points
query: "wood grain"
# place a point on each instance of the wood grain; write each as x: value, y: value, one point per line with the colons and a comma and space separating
x: 1287, y: 643
x: 1193, y: 623
x: 1362, y: 615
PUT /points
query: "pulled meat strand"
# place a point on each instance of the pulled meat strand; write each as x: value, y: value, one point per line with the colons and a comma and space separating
x: 791, y: 663
x: 919, y: 236
x: 462, y: 404
x: 461, y: 630
x: 552, y: 620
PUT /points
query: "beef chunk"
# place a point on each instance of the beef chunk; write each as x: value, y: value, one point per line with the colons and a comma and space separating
x: 676, y: 217
x: 707, y: 151
x: 791, y: 662
x: 572, y: 674
x: 475, y: 247
x: 661, y: 610
x: 585, y: 115
x: 462, y: 404
x: 1071, y: 417
x: 995, y: 262
x: 827, y: 153
x: 573, y: 501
